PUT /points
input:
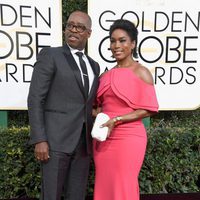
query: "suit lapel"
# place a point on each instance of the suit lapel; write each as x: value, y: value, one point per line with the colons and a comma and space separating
x: 72, y: 64
x: 96, y: 74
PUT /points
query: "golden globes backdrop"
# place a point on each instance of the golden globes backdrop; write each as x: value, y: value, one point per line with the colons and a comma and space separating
x: 169, y: 44
x: 25, y: 28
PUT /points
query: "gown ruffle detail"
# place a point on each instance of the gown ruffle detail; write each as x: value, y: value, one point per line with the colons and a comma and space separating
x: 131, y: 89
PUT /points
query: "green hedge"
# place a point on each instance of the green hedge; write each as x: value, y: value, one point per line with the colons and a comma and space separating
x: 172, y: 162
x: 19, y: 173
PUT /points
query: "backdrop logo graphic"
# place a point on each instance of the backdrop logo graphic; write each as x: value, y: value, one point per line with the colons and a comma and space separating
x: 168, y: 44
x: 25, y: 28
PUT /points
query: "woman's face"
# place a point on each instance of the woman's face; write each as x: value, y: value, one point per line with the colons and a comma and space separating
x: 121, y: 45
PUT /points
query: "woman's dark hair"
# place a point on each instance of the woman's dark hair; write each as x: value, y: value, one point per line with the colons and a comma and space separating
x: 131, y: 30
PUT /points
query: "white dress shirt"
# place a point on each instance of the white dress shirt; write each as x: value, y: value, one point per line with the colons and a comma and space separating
x: 89, y: 68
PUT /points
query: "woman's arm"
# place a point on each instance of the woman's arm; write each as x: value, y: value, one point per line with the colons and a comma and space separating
x: 129, y: 117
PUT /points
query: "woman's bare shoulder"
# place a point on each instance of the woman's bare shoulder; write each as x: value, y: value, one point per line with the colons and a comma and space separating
x: 143, y: 73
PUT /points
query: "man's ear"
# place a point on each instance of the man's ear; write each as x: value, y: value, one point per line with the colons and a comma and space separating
x: 89, y: 33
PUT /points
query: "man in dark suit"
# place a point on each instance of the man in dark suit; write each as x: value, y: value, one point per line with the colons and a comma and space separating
x: 60, y: 104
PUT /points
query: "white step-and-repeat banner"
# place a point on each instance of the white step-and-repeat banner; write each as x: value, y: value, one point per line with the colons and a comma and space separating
x: 169, y: 44
x: 25, y: 28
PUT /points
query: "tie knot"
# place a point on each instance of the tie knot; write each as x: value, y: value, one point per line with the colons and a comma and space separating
x: 79, y: 54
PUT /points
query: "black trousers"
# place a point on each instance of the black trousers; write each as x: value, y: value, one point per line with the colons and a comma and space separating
x: 66, y: 174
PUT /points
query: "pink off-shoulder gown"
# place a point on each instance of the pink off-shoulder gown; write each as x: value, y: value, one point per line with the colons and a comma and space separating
x: 118, y: 160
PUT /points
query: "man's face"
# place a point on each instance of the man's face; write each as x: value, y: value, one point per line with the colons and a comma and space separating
x: 77, y: 30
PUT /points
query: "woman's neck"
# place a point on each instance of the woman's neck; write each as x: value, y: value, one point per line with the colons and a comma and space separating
x: 125, y: 63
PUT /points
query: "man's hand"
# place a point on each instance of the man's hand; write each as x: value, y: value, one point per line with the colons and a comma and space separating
x: 42, y: 151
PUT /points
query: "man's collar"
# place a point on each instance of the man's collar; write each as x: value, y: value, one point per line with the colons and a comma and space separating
x: 75, y: 50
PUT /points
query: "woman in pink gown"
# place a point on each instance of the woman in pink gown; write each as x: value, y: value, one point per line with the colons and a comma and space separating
x: 126, y: 93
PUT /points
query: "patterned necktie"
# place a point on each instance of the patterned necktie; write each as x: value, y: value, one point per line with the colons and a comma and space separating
x: 84, y: 71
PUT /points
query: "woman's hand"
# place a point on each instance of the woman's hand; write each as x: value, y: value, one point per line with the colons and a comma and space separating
x: 96, y: 111
x: 110, y: 124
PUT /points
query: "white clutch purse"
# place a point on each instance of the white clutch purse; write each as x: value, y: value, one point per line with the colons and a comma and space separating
x: 98, y: 132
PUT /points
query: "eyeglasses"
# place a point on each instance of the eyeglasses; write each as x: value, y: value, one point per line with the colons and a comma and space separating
x: 79, y: 28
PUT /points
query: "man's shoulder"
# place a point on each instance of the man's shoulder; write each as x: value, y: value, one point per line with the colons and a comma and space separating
x: 95, y: 63
x: 91, y: 59
x: 52, y: 49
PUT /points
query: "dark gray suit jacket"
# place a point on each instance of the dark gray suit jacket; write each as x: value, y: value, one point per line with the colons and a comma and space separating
x: 56, y: 103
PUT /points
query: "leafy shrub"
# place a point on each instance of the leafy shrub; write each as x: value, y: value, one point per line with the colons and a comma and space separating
x: 171, y: 165
x: 18, y: 118
x: 172, y: 162
x: 19, y: 173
